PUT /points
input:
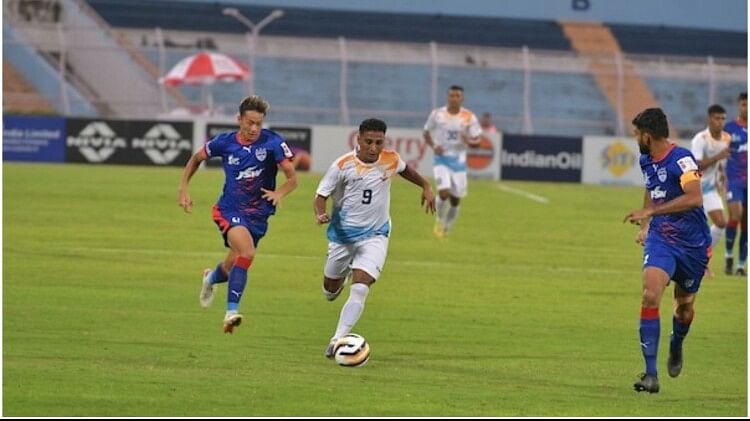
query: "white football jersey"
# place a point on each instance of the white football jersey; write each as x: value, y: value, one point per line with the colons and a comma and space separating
x: 704, y: 146
x: 446, y: 129
x: 361, y: 195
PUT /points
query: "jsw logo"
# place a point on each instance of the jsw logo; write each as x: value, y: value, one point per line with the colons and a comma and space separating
x: 249, y: 173
x: 658, y: 193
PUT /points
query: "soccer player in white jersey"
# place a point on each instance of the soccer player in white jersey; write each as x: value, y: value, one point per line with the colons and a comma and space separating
x: 359, y: 184
x: 448, y: 131
x: 710, y: 148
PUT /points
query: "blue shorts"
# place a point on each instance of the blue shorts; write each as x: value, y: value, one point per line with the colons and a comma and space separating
x: 737, y: 192
x: 684, y: 266
x: 226, y: 220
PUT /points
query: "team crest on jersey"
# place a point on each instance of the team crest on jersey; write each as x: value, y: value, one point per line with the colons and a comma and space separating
x: 261, y: 153
x: 662, y: 174
x: 232, y: 160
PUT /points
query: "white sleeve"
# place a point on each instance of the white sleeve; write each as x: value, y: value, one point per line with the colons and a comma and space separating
x: 330, y: 181
x: 431, y: 123
x: 401, y: 165
x: 474, y: 128
x: 697, y: 146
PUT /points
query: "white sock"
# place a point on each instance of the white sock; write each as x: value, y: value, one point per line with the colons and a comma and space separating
x: 716, y: 234
x: 442, y: 207
x: 352, y: 309
x: 451, y: 218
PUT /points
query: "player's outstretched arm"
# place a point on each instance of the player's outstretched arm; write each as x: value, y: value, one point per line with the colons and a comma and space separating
x: 319, y: 208
x: 428, y: 198
x: 183, y: 197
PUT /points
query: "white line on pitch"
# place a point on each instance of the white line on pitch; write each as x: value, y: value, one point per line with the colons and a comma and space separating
x: 530, y: 196
x: 321, y: 259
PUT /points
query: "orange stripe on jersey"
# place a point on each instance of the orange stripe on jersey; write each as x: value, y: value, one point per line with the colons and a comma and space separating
x: 688, y: 177
x: 344, y: 160
x: 465, y: 115
x: 388, y: 160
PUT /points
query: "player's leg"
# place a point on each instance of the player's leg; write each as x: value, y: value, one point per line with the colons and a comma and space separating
x: 688, y: 275
x: 458, y: 191
x: 681, y: 320
x: 219, y: 275
x: 243, y: 246
x: 734, y: 203
x: 336, y: 269
x: 442, y: 185
x: 658, y: 267
x: 743, y: 238
x: 368, y: 261
x: 715, y: 209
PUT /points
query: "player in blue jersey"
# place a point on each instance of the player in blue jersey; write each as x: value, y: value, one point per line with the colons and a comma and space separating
x: 737, y: 188
x: 675, y: 234
x: 251, y: 157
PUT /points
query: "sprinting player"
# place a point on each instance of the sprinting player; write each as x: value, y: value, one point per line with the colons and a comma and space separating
x: 250, y: 157
x: 710, y: 148
x: 448, y: 131
x: 359, y: 184
x: 737, y: 188
x: 676, y: 239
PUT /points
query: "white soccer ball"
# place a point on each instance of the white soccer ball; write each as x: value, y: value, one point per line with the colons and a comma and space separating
x: 351, y: 350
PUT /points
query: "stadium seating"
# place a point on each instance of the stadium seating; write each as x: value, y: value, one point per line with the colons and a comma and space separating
x: 180, y: 15
x: 673, y: 41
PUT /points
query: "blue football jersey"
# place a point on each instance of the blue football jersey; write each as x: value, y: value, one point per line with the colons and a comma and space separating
x: 664, y: 179
x: 247, y: 169
x: 737, y: 162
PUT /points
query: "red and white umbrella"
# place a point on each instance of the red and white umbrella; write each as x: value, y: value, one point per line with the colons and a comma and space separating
x: 204, y: 69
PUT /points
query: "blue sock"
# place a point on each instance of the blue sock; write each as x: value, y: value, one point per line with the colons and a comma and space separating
x: 237, y: 282
x: 650, y: 337
x: 679, y: 331
x: 218, y: 275
x: 731, y: 234
x: 743, y: 248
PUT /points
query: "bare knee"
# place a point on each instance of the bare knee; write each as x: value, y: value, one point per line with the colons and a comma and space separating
x: 650, y: 298
x: 247, y: 253
x: 444, y: 194
x: 684, y: 313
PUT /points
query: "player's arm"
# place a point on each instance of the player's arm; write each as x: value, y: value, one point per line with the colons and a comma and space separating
x: 431, y: 143
x: 692, y: 197
x: 427, y: 135
x: 183, y: 197
x: 319, y: 207
x: 707, y: 162
x: 472, y: 134
x: 428, y: 198
x: 275, y: 196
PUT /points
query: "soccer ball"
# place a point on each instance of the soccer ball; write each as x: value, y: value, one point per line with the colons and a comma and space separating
x: 351, y: 350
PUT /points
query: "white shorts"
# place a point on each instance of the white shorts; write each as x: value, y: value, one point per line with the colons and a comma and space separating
x: 712, y: 201
x: 447, y: 179
x: 367, y: 255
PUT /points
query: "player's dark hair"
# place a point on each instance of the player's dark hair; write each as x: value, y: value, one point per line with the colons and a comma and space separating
x: 742, y: 96
x: 716, y: 109
x: 456, y: 88
x: 254, y: 103
x: 652, y: 121
x: 372, y: 125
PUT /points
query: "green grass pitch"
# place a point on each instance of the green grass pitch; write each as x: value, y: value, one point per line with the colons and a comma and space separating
x: 528, y: 309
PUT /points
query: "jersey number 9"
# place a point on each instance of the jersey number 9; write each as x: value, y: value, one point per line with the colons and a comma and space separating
x: 366, y: 197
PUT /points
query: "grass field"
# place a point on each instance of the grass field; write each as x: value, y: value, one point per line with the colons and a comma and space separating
x: 529, y: 309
